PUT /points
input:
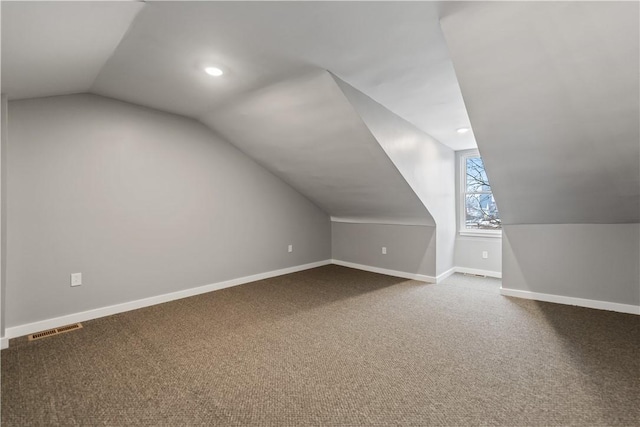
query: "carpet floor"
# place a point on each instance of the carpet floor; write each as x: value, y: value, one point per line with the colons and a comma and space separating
x: 333, y: 346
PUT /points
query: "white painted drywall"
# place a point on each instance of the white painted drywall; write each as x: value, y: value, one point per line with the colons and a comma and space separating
x: 306, y: 132
x: 59, y: 47
x: 551, y: 89
x: 393, y: 51
x: 143, y: 203
x: 410, y: 248
x: 592, y: 261
x: 427, y: 165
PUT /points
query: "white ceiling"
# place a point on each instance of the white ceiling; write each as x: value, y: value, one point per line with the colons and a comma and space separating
x: 54, y: 48
x: 312, y: 137
x: 552, y: 89
x: 392, y: 51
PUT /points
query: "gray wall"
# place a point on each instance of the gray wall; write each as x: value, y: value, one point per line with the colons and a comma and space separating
x: 343, y: 153
x: 468, y: 254
x: 4, y: 130
x: 592, y: 261
x: 551, y: 89
x: 410, y: 248
x: 142, y: 203
x: 426, y: 164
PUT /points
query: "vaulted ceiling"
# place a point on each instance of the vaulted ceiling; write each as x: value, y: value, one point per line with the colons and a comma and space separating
x: 312, y: 137
x: 551, y: 87
x: 56, y: 48
x: 153, y: 54
x: 553, y: 92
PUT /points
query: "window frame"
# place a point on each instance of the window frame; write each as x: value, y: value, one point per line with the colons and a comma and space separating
x: 462, y: 192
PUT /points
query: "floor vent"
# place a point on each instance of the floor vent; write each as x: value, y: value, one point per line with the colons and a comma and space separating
x: 56, y: 331
x: 474, y: 275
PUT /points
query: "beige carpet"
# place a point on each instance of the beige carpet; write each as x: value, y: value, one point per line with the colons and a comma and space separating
x: 334, y: 346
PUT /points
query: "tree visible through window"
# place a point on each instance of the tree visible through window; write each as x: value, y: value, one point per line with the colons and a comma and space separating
x: 480, y: 210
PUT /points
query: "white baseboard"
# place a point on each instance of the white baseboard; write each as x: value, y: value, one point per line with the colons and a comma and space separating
x: 488, y: 273
x: 446, y: 274
x: 580, y: 302
x: 415, y: 276
x: 396, y: 273
x: 21, y: 330
x: 30, y: 328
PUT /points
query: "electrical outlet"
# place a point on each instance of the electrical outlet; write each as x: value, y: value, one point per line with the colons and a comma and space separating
x: 76, y: 279
x: 290, y: 248
x: 384, y: 250
x: 485, y: 254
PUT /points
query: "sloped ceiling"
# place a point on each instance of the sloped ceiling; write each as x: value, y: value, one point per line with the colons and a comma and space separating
x: 306, y: 131
x: 551, y: 87
x: 427, y: 165
x: 392, y: 51
x: 552, y: 90
x: 55, y: 48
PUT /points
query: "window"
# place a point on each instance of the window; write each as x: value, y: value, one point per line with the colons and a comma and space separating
x: 478, y: 213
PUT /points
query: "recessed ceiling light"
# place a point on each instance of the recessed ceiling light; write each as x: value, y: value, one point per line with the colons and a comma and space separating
x: 213, y: 71
x: 463, y: 130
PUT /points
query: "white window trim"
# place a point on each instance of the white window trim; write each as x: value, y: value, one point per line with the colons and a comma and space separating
x: 462, y: 173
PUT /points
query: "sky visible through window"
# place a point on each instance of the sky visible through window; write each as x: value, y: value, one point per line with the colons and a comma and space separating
x: 481, y: 212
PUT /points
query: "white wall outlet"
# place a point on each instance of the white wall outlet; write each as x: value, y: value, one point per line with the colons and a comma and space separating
x: 485, y: 254
x: 384, y: 250
x: 76, y: 279
x: 290, y: 248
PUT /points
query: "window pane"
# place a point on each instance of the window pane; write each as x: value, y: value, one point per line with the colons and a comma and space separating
x: 481, y: 212
x: 476, y: 176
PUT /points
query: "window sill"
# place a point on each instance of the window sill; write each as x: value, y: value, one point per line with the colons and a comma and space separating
x: 488, y: 234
